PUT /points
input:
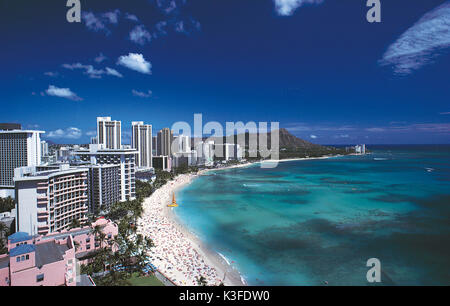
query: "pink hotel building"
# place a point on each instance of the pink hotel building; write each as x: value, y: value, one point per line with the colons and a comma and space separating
x: 51, y: 260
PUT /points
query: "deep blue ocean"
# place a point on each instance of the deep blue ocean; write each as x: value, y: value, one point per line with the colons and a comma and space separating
x: 306, y: 222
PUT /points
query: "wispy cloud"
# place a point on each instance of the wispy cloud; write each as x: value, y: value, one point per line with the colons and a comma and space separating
x: 114, y: 72
x: 112, y: 17
x: 421, y: 44
x: 375, y: 129
x: 313, y: 136
x: 88, y: 69
x: 131, y: 17
x: 51, y: 74
x: 100, y: 58
x: 287, y: 7
x: 175, y: 20
x: 349, y: 131
x: 62, y: 93
x: 69, y: 133
x: 99, y: 22
x: 141, y: 94
x: 187, y: 26
x: 169, y: 6
x: 303, y: 127
x: 92, y: 72
x: 135, y: 61
x: 444, y: 113
x: 140, y: 35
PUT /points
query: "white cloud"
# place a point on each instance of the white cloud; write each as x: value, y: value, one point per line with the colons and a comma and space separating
x: 287, y: 7
x: 131, y: 17
x: 114, y: 72
x: 313, y: 136
x: 93, y: 72
x: 160, y: 29
x: 93, y: 23
x: 140, y: 35
x: 88, y: 69
x: 99, y: 23
x: 112, y: 17
x: 135, y: 61
x: 187, y: 26
x: 141, y: 94
x: 70, y: 133
x: 62, y: 93
x: 421, y: 43
x: 51, y: 74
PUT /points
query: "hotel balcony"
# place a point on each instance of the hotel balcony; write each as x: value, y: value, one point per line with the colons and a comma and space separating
x: 43, y: 229
x: 42, y: 213
x: 42, y: 200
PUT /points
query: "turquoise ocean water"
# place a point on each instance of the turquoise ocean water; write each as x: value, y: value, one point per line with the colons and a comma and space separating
x: 306, y: 222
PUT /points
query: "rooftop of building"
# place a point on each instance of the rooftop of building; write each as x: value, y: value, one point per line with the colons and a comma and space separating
x: 19, y: 237
x: 22, y: 249
x: 21, y: 131
x: 106, y: 151
x: 49, y: 252
x: 31, y: 173
x: 10, y: 126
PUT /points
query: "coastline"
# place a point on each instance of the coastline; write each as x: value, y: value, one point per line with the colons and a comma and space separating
x: 178, y: 253
x: 179, y: 260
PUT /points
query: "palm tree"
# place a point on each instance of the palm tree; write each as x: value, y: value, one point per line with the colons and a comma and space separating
x: 4, y: 231
x: 96, y: 230
x: 201, y: 281
x: 101, y: 238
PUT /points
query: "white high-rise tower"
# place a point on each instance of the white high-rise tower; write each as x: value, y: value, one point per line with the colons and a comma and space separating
x: 141, y: 140
x: 18, y: 148
x: 109, y: 133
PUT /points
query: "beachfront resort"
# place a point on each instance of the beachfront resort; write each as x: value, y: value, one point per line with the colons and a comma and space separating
x: 56, y: 198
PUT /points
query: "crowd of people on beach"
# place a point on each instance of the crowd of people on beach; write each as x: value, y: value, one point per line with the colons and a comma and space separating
x: 174, y: 254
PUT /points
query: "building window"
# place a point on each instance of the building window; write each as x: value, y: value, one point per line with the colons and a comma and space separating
x: 39, y: 278
x: 17, y: 258
x: 27, y: 257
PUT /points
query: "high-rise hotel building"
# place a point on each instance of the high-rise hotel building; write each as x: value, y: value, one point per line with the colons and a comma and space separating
x: 18, y: 148
x: 109, y: 133
x: 105, y: 187
x: 124, y: 158
x: 49, y: 198
x: 164, y: 140
x: 141, y: 140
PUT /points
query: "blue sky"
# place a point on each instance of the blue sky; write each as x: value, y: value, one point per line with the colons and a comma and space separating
x: 317, y: 67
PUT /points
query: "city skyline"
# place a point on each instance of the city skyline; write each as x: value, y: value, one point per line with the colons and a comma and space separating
x: 162, y: 61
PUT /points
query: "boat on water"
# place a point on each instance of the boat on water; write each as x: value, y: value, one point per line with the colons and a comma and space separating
x: 174, y: 202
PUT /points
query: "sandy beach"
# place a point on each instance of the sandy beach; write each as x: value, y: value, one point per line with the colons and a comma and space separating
x: 178, y: 253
